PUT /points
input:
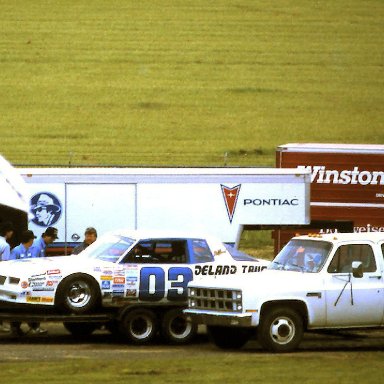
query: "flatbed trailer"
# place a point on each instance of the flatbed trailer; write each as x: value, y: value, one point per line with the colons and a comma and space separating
x: 24, y: 316
x: 77, y: 325
x: 117, y: 320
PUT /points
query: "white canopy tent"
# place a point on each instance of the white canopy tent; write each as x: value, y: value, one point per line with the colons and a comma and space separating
x: 14, y: 201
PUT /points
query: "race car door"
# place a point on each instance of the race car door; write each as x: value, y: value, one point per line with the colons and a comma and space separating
x: 354, y: 301
x: 158, y: 271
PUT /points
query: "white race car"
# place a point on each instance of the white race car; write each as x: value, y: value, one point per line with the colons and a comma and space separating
x: 122, y: 268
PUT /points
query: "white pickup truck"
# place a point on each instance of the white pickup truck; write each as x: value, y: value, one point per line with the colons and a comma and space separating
x: 332, y: 281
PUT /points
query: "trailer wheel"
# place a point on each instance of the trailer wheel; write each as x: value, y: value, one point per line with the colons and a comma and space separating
x: 280, y: 330
x: 229, y: 337
x: 177, y: 328
x: 80, y: 329
x: 139, y: 325
x: 78, y: 293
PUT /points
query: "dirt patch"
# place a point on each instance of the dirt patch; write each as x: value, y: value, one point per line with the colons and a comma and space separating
x: 58, y: 344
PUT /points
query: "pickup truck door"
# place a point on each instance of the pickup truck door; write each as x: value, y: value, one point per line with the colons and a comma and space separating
x: 354, y: 301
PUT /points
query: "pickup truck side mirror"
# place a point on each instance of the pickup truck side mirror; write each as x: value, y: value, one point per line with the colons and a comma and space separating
x: 357, y: 269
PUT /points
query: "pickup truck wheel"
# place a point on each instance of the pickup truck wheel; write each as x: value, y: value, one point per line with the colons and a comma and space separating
x: 139, y: 325
x: 229, y: 337
x: 80, y: 329
x: 78, y: 294
x: 280, y: 330
x: 177, y: 328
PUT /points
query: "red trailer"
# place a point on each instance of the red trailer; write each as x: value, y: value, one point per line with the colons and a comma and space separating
x: 347, y: 186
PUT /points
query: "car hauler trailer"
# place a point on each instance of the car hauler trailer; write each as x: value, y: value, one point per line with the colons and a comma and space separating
x: 347, y: 186
x: 212, y: 200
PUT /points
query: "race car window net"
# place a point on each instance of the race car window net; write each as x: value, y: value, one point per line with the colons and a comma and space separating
x: 302, y: 256
x: 109, y: 248
x: 201, y: 251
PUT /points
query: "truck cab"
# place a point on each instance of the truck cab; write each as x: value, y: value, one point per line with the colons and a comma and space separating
x: 332, y: 281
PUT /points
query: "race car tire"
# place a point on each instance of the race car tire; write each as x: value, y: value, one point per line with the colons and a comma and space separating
x: 177, y: 328
x: 229, y: 337
x: 139, y: 325
x: 80, y: 329
x: 280, y: 330
x: 78, y: 293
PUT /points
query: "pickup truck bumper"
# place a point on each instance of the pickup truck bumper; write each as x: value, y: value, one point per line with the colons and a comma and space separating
x: 220, y: 318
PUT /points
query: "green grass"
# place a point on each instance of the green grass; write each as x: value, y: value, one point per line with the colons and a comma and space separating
x: 338, y: 368
x: 182, y: 82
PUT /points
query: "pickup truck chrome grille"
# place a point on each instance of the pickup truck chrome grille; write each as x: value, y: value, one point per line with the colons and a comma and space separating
x: 215, y: 299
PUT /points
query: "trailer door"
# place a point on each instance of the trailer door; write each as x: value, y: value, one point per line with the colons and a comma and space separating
x: 103, y: 206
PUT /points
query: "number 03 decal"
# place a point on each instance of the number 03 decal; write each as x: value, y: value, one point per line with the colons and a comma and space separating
x: 178, y: 277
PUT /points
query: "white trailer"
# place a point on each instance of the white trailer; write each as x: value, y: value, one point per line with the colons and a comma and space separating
x: 213, y: 200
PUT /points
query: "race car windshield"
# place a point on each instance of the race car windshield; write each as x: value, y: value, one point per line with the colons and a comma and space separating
x: 302, y: 256
x: 109, y: 248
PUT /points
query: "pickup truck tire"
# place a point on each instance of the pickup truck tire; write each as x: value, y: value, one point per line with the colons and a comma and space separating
x: 177, y: 328
x: 80, y: 329
x: 78, y: 293
x: 139, y: 325
x: 229, y: 337
x: 280, y: 329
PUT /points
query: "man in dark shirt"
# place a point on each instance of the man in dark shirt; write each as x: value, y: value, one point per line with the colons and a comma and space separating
x: 90, y: 237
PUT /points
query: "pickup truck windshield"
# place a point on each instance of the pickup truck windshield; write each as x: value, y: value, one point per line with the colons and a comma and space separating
x: 302, y: 256
x: 108, y: 248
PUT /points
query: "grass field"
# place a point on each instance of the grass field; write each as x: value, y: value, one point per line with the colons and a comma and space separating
x: 189, y: 83
x: 182, y: 82
x: 230, y: 368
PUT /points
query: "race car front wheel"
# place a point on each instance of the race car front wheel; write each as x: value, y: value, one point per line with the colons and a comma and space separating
x: 139, y: 325
x: 177, y: 328
x: 78, y: 293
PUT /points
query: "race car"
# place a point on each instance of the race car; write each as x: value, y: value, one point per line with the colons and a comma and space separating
x: 135, y: 269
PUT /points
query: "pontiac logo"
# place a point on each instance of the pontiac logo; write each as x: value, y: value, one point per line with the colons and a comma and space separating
x: 230, y: 198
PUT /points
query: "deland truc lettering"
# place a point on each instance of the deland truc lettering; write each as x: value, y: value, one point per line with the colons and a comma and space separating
x: 215, y: 270
x: 253, y: 268
x: 218, y: 270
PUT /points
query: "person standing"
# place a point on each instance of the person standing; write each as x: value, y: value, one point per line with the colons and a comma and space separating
x: 6, y: 232
x: 37, y: 250
x: 90, y: 236
x: 39, y: 245
x: 23, y: 250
